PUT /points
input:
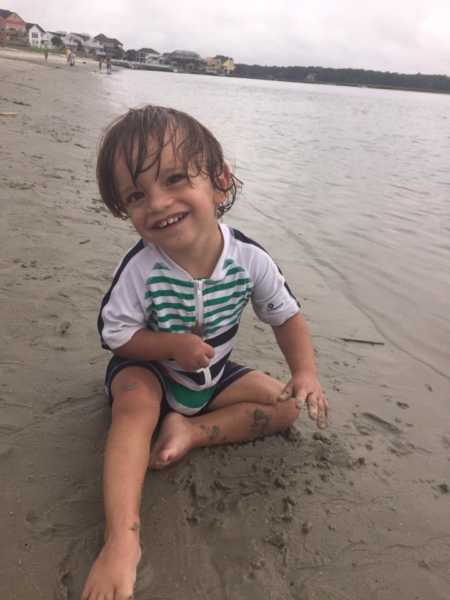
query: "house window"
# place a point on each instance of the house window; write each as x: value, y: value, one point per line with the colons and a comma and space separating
x: 34, y: 36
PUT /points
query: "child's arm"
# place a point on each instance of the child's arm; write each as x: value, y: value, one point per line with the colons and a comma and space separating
x: 187, y: 349
x: 295, y: 343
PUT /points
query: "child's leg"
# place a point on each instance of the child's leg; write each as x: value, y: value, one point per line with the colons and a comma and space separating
x: 135, y: 411
x: 249, y: 408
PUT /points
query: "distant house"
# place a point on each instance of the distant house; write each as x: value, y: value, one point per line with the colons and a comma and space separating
x: 83, y: 43
x: 90, y: 45
x: 13, y: 29
x: 148, y: 55
x: 185, y: 60
x: 111, y: 46
x: 74, y: 42
x: 52, y: 37
x: 37, y: 37
x: 220, y: 65
x: 94, y: 47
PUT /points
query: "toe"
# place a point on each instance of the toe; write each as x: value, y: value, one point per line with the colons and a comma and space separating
x: 159, y: 463
x: 165, y: 457
x: 124, y: 595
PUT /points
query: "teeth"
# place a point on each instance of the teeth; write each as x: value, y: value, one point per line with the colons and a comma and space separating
x: 169, y: 221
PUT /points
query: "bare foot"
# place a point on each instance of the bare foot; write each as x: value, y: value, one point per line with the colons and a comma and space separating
x: 173, y: 442
x: 113, y: 574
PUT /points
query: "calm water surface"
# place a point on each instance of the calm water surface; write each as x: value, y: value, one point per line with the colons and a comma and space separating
x: 358, y: 178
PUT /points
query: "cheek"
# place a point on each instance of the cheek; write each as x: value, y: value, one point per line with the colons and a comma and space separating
x: 135, y: 219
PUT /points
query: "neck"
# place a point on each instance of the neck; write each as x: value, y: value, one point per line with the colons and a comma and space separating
x: 201, y: 260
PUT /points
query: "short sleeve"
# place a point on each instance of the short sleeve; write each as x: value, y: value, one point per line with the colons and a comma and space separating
x: 123, y: 311
x: 272, y: 299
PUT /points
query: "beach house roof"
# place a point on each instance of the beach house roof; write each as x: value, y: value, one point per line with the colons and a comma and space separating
x: 12, y: 24
x: 83, y: 36
x: 102, y: 38
x: 30, y: 25
x: 185, y: 55
x: 148, y: 51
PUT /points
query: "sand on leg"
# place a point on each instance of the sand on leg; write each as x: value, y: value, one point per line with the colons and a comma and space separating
x: 249, y: 408
x: 137, y: 397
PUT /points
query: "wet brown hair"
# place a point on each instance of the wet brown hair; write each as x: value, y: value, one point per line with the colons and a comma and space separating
x: 141, y: 136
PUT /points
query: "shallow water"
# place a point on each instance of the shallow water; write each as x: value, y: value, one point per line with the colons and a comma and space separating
x: 358, y: 178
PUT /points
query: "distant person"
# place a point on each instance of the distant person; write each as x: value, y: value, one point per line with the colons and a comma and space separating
x: 100, y: 63
x: 108, y: 65
x: 170, y: 319
x: 46, y: 54
x: 72, y: 58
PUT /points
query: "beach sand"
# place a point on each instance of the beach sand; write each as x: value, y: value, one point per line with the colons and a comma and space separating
x: 360, y: 511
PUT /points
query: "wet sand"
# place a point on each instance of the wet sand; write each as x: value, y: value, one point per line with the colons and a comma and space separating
x: 360, y: 511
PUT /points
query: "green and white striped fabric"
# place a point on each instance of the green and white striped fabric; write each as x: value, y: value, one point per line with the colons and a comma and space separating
x: 173, y: 302
x: 151, y: 291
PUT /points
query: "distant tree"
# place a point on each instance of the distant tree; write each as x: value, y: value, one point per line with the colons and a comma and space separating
x: 117, y: 53
x: 356, y: 77
x: 57, y: 41
x: 131, y: 55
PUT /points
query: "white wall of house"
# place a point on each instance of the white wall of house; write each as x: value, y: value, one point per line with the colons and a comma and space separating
x: 151, y: 57
x: 35, y: 36
x: 92, y: 45
x: 71, y: 41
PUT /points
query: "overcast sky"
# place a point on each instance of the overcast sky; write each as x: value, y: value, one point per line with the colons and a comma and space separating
x: 389, y: 35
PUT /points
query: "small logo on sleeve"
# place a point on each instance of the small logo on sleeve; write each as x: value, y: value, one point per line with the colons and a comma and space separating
x: 271, y: 306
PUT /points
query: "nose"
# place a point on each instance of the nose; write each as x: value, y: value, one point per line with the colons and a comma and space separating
x: 158, y: 199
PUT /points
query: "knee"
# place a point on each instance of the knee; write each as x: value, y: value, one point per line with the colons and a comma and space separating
x: 136, y: 393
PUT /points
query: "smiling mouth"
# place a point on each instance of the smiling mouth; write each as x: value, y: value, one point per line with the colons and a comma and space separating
x: 165, y: 223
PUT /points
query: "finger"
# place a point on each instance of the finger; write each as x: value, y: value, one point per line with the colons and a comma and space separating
x: 322, y: 417
x: 205, y: 360
x: 200, y: 363
x: 286, y: 393
x: 301, y: 396
x: 209, y: 351
x: 311, y: 401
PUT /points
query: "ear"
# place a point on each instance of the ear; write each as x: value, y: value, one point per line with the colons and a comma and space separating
x: 220, y: 198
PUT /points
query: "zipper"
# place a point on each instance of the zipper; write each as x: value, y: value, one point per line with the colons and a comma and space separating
x: 198, y: 290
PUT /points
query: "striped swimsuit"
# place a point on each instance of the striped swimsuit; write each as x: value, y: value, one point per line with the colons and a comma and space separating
x: 149, y: 290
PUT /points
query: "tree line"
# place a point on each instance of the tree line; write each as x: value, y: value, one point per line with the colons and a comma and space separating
x: 356, y: 77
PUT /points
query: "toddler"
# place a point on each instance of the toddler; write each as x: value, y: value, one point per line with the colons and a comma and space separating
x: 170, y: 319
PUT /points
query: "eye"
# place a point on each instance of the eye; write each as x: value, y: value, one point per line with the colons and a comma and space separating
x: 175, y: 178
x: 134, y: 198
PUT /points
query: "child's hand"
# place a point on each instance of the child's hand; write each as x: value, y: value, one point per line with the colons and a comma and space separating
x: 306, y: 388
x: 191, y: 352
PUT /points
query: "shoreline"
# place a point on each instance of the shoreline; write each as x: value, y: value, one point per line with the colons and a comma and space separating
x: 353, y: 85
x: 8, y: 52
x: 357, y: 511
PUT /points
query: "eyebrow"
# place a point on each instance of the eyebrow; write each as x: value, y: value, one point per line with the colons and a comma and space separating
x: 176, y: 166
x: 167, y: 170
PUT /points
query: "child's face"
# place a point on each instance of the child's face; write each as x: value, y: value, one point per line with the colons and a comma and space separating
x: 166, y: 208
